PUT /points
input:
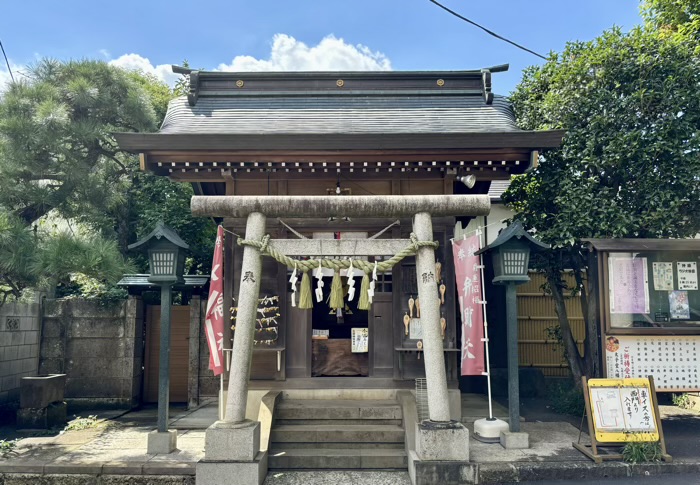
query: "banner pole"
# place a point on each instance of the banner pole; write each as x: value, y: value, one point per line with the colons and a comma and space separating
x: 486, y: 323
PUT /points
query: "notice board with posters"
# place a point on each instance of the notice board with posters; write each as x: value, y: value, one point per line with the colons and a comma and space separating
x: 621, y: 411
x: 673, y: 360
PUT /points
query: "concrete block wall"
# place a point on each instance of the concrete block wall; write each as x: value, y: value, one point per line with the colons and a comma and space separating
x: 20, y: 325
x: 98, y: 346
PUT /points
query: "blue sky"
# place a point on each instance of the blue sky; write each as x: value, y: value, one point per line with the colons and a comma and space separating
x: 277, y: 34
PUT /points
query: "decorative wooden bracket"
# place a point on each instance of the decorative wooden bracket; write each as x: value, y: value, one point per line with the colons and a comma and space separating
x: 486, y: 83
x: 193, y: 95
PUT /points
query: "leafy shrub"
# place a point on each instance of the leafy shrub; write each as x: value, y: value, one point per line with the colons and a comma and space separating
x: 82, y: 423
x: 566, y: 399
x: 683, y: 401
x: 7, y: 446
x: 641, y: 452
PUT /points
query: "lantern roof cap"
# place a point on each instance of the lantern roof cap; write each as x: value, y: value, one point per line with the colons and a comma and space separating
x: 159, y: 232
x: 515, y: 230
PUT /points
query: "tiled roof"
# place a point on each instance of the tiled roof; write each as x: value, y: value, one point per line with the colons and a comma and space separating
x: 339, y: 114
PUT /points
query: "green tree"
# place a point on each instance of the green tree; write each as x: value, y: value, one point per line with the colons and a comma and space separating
x: 58, y: 160
x: 60, y: 165
x: 56, y: 150
x: 629, y: 162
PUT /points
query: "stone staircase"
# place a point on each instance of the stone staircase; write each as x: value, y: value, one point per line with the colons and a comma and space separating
x: 337, y: 434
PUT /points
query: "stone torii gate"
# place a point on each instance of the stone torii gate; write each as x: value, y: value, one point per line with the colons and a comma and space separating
x: 235, y: 441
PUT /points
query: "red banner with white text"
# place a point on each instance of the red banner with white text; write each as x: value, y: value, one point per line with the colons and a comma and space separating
x: 469, y: 291
x: 214, y: 320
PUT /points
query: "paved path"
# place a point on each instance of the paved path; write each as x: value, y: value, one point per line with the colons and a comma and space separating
x: 118, y: 447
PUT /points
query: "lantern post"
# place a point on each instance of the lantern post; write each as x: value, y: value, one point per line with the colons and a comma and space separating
x: 510, y: 253
x: 166, y: 259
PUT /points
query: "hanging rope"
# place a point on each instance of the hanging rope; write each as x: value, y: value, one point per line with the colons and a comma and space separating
x: 337, y: 264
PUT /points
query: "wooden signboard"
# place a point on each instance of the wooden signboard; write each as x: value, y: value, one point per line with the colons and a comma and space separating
x: 621, y: 411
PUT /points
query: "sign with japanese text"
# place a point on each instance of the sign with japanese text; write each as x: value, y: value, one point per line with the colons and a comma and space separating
x: 687, y: 275
x: 673, y: 361
x: 415, y: 329
x: 629, y: 285
x: 622, y: 410
x: 663, y: 276
x: 214, y: 319
x: 469, y: 290
x: 360, y: 340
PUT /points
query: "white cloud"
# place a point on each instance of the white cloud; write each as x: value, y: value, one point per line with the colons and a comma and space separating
x: 331, y: 54
x: 139, y: 63
x: 105, y: 53
x: 286, y: 54
x: 5, y: 78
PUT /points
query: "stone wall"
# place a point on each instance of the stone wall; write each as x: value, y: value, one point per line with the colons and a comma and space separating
x: 98, y: 346
x: 19, y: 346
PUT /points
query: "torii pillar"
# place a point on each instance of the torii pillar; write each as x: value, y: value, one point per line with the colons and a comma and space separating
x: 232, y: 446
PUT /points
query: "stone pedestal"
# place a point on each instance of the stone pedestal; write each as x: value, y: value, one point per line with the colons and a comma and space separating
x: 230, y: 472
x: 442, y: 441
x: 442, y: 455
x: 160, y: 443
x: 232, y: 450
x: 225, y: 441
x: 514, y: 441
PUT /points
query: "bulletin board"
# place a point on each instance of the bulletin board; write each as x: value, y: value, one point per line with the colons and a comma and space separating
x: 673, y: 361
x: 621, y: 411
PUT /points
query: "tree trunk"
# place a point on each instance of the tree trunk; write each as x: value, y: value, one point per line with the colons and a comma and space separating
x: 575, y: 361
x: 590, y: 347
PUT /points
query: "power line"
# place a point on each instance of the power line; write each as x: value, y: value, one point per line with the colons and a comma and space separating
x: 490, y: 32
x: 7, y: 62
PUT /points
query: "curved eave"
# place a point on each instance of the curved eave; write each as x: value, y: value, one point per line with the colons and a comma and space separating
x: 533, y: 140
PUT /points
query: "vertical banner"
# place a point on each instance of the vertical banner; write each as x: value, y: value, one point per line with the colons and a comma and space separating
x: 214, y: 319
x: 469, y: 289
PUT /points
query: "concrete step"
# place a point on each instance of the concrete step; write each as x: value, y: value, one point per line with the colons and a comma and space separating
x: 338, y: 433
x: 392, y: 422
x: 337, y: 409
x: 336, y: 459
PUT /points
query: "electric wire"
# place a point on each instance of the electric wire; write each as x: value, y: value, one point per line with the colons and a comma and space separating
x: 7, y: 62
x: 490, y: 32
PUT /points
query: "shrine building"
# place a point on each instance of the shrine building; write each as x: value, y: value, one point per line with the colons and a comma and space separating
x: 362, y: 136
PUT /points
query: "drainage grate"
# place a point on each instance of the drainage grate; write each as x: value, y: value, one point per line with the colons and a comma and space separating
x: 422, y: 399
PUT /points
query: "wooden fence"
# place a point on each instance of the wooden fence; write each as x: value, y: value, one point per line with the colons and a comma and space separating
x: 537, y: 322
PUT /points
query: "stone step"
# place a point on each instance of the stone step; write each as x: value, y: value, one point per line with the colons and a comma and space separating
x: 336, y: 459
x: 337, y: 409
x: 342, y: 446
x: 338, y: 433
x: 373, y: 422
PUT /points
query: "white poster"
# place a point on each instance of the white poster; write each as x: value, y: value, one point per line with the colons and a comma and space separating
x: 687, y: 275
x: 360, y: 340
x: 663, y: 276
x: 416, y: 329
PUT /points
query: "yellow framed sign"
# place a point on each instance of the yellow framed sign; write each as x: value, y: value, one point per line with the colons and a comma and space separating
x: 622, y: 410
